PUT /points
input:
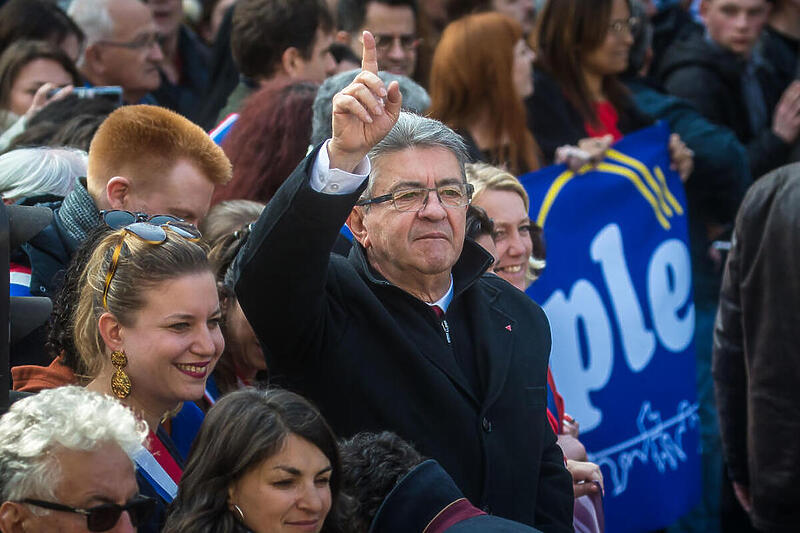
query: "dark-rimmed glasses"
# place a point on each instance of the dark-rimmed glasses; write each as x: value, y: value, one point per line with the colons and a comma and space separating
x: 416, y: 198
x: 119, y: 218
x: 151, y: 233
x: 104, y: 517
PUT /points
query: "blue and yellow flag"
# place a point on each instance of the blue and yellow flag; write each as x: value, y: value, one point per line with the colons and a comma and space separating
x: 617, y: 290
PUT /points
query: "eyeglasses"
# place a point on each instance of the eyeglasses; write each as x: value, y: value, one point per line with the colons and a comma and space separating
x: 152, y: 231
x: 416, y: 198
x: 104, y: 517
x: 119, y: 218
x: 385, y: 41
x: 142, y: 42
x: 620, y: 25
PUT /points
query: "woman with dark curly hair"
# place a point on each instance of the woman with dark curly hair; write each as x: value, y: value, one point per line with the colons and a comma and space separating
x: 264, y: 461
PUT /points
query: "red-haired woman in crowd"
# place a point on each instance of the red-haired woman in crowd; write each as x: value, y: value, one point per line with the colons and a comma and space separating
x: 268, y: 141
x: 481, y: 74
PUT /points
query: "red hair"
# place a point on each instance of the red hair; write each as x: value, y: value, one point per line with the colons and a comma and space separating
x: 268, y: 141
x: 472, y: 75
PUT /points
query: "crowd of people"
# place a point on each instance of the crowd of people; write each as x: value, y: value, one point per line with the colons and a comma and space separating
x: 289, y: 252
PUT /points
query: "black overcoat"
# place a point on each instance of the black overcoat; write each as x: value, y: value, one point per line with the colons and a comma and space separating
x: 373, y: 357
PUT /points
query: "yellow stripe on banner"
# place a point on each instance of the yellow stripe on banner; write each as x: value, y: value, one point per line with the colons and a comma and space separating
x: 625, y: 172
x: 644, y: 171
x: 670, y: 198
x: 552, y: 194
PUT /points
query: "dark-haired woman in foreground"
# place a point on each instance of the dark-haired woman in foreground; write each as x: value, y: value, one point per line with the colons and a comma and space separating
x: 264, y: 461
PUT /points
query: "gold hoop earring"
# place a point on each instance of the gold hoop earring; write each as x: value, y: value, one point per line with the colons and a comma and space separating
x: 120, y: 382
x: 241, y: 514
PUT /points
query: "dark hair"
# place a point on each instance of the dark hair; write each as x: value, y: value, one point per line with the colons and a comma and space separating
x: 263, y: 29
x: 60, y: 334
x: 565, y: 32
x: 70, y: 106
x: 19, y: 54
x: 352, y: 13
x: 70, y: 121
x: 243, y: 429
x: 478, y: 222
x: 40, y: 20
x: 269, y: 140
x: 372, y: 464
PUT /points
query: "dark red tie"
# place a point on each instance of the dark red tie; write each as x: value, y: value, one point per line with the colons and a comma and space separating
x: 439, y: 311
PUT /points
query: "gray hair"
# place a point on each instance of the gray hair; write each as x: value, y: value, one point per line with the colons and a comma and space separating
x: 71, y: 418
x: 41, y: 170
x: 94, y: 19
x: 415, y: 99
x: 414, y: 131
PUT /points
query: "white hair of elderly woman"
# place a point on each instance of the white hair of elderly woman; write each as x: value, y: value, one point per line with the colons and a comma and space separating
x: 29, y: 172
x: 71, y: 418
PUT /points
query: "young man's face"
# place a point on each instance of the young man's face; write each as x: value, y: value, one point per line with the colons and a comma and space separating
x: 395, y: 32
x: 735, y: 24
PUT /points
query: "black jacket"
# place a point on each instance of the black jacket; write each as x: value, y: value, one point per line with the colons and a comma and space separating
x: 710, y: 78
x: 555, y: 122
x: 781, y: 52
x: 756, y: 362
x: 373, y: 357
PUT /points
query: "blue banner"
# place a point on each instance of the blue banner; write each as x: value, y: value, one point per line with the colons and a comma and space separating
x: 617, y: 290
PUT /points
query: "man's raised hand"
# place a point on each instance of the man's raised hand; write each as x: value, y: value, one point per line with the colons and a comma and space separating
x: 363, y: 112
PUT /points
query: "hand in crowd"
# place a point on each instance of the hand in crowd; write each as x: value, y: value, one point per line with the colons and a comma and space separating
x: 590, y: 151
x: 584, y: 476
x: 363, y: 112
x: 572, y: 447
x: 570, y: 426
x: 41, y: 99
x: 681, y: 156
x: 786, y: 119
x: 743, y: 495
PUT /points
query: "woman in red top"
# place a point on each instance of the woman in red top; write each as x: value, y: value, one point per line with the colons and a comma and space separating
x: 582, y: 46
x: 147, y: 327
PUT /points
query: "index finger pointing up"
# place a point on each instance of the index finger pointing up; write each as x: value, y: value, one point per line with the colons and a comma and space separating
x: 369, y: 55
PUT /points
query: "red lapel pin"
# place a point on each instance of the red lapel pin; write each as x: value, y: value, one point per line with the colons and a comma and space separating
x: 508, y: 327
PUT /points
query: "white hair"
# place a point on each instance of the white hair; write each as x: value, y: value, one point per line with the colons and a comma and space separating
x: 94, y: 19
x: 41, y: 170
x: 71, y: 418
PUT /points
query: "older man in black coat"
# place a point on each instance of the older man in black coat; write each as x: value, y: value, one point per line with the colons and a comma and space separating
x: 407, y: 333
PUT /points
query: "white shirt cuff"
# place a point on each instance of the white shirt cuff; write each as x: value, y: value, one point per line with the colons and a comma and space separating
x: 333, y: 180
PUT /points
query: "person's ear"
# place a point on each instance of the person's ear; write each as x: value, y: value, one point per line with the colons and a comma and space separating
x: 357, y: 227
x: 118, y: 191
x: 12, y: 516
x: 111, y: 331
x: 292, y: 62
x: 93, y: 59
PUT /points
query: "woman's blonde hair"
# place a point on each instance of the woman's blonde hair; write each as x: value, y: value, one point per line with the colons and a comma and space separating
x: 484, y: 177
x: 140, y: 267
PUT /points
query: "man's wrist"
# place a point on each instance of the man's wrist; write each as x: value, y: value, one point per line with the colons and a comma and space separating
x: 343, y: 160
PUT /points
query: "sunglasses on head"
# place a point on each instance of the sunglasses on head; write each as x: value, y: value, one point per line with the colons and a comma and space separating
x: 104, y: 517
x: 151, y: 229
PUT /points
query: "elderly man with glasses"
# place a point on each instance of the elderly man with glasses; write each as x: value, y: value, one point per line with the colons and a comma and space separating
x: 65, y: 464
x: 122, y: 46
x: 406, y: 334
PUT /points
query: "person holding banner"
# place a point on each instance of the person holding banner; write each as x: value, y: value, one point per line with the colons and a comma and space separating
x: 520, y: 253
x: 579, y: 95
x: 406, y: 334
